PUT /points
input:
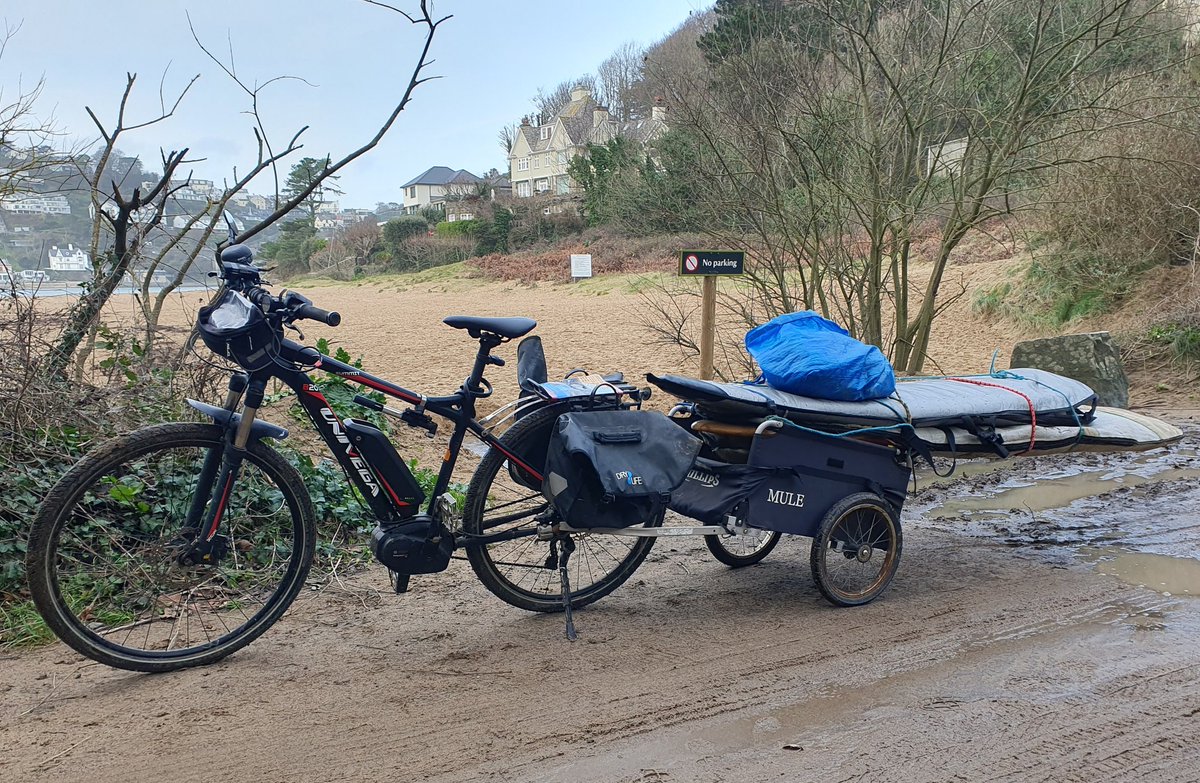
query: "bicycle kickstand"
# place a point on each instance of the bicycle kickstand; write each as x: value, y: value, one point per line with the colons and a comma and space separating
x: 568, y: 546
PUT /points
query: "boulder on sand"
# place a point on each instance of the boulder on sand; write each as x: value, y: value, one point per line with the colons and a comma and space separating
x: 1090, y: 358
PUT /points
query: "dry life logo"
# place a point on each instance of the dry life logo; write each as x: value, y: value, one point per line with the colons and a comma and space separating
x: 628, y: 477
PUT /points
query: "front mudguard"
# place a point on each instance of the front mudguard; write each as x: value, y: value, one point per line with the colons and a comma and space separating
x: 229, y: 420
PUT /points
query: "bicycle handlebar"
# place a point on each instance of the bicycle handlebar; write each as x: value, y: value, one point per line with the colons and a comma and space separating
x: 237, y: 269
x: 291, y: 306
x: 314, y: 313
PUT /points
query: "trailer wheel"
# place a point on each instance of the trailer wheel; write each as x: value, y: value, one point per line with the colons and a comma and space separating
x: 857, y: 550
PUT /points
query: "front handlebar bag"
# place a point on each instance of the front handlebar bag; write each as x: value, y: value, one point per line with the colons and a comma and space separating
x: 611, y: 469
x: 234, y: 327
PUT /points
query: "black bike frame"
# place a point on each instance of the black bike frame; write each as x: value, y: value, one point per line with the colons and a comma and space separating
x: 458, y: 408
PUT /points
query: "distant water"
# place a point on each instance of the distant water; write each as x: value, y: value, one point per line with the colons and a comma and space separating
x: 49, y: 291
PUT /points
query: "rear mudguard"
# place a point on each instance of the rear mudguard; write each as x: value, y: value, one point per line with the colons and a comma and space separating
x: 229, y: 419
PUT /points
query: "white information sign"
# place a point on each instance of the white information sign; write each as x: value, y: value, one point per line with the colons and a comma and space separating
x: 581, y: 265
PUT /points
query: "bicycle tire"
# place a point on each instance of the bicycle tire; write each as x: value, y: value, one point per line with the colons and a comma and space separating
x: 734, y: 552
x: 859, y: 533
x: 69, y: 514
x: 600, y: 564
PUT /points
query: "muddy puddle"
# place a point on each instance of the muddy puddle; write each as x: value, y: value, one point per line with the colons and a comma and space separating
x: 1133, y: 516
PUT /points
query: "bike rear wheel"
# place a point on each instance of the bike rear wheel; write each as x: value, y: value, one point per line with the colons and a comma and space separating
x: 105, y: 566
x: 742, y: 550
x: 503, y: 498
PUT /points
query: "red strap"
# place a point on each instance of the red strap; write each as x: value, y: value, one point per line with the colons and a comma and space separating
x: 1029, y: 402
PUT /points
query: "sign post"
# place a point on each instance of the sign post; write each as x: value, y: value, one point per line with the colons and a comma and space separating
x: 581, y: 266
x: 708, y: 264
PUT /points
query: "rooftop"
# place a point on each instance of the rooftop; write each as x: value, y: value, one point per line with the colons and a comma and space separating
x: 442, y: 175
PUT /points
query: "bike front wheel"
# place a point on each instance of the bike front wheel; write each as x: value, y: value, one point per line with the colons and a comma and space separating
x: 107, y: 566
x: 504, y: 499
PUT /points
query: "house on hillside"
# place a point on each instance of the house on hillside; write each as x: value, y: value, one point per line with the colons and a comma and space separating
x: 36, y: 204
x: 431, y: 187
x: 466, y: 205
x: 69, y: 259
x: 541, y: 153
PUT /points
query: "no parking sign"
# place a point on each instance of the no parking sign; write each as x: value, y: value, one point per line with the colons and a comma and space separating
x: 708, y: 264
x: 712, y: 262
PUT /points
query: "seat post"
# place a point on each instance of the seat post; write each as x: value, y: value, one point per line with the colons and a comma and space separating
x: 487, y: 341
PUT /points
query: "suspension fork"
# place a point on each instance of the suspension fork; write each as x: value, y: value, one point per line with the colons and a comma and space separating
x: 206, y: 548
x: 212, y: 460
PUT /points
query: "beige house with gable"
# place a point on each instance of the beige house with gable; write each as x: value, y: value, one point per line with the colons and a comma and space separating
x: 541, y: 154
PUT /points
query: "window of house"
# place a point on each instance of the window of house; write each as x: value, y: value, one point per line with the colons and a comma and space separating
x: 544, y: 132
x: 537, y: 161
x: 523, y: 164
x: 523, y: 188
x: 542, y: 186
x: 562, y: 158
x: 564, y: 185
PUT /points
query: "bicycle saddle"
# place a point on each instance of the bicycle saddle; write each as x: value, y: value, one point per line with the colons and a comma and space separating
x: 505, y: 327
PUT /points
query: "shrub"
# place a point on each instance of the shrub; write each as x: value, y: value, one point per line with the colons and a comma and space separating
x: 399, y: 230
x: 1132, y: 207
x: 427, y: 252
x: 459, y: 228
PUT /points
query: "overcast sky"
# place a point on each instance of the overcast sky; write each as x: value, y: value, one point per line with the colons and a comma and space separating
x: 492, y: 57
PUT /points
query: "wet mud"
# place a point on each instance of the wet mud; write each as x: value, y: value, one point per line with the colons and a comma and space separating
x: 1042, y: 627
x: 1032, y: 633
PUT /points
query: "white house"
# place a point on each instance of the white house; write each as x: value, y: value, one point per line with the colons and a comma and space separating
x: 541, y: 154
x: 431, y: 187
x: 36, y: 205
x: 72, y: 259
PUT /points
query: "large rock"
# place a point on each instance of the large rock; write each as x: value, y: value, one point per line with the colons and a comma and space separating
x: 1091, y: 358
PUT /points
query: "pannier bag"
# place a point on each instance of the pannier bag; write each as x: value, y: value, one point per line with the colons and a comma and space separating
x: 803, y: 353
x: 233, y: 327
x: 615, y: 468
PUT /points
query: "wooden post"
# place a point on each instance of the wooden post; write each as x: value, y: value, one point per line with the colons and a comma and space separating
x: 708, y: 264
x: 708, y: 326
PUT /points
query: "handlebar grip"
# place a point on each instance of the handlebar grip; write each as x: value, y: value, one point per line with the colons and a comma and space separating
x: 314, y: 313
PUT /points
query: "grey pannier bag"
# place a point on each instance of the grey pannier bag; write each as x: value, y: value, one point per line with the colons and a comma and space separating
x: 615, y: 468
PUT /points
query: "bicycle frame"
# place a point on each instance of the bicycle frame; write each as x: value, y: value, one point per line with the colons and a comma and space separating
x: 458, y: 408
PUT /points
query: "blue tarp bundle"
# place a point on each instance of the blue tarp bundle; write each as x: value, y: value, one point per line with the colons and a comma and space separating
x: 806, y: 354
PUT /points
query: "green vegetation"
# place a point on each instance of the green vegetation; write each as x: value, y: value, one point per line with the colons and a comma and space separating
x: 459, y: 228
x: 1182, y: 341
x: 297, y: 243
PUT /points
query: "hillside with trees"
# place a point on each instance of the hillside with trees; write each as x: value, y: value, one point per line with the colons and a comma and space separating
x: 842, y: 143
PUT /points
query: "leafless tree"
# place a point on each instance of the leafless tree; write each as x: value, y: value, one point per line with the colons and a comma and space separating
x: 507, y: 137
x: 125, y: 220
x: 24, y: 135
x: 548, y: 103
x: 671, y: 61
x: 616, y: 78
x: 350, y: 248
x: 895, y: 130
